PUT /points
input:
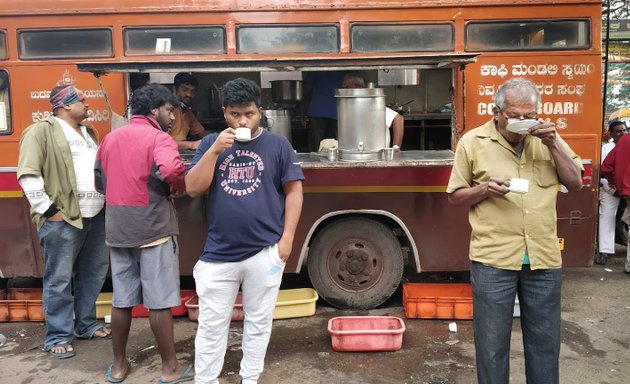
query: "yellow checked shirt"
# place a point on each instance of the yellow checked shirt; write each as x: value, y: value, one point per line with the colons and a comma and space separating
x: 185, y: 123
x: 502, y: 227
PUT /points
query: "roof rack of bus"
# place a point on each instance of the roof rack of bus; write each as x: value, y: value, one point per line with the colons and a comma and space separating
x: 448, y: 60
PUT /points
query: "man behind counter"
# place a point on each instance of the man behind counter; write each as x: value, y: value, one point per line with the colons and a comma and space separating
x: 186, y: 124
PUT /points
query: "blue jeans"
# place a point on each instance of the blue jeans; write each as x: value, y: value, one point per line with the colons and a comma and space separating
x: 538, y: 292
x: 75, y: 261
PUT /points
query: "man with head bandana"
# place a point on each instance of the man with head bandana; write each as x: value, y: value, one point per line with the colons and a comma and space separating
x: 55, y: 170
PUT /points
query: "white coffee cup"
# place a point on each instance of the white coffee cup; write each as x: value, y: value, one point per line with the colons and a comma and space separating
x: 243, y: 134
x: 519, y: 185
x: 521, y: 126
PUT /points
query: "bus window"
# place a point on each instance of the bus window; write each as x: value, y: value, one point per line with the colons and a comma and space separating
x: 64, y: 43
x: 3, y: 45
x: 525, y: 35
x: 401, y: 38
x: 5, y: 104
x: 287, y: 39
x: 174, y: 40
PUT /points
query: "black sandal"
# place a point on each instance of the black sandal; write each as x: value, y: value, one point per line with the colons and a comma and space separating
x: 68, y: 351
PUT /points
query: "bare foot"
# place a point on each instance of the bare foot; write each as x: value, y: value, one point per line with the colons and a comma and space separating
x: 61, y: 350
x: 102, y: 333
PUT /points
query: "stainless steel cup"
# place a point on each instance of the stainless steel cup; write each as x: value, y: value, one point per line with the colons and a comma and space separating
x: 388, y: 154
x: 332, y: 154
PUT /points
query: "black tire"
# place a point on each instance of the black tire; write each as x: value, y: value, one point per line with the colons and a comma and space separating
x: 355, y: 263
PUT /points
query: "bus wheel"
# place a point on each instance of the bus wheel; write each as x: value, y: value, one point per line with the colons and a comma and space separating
x: 355, y: 263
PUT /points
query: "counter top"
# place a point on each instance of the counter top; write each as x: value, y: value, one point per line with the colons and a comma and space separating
x: 427, y: 116
x: 187, y: 156
x: 401, y: 159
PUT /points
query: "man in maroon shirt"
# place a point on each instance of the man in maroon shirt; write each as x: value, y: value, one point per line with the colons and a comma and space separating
x: 138, y: 169
x: 616, y: 168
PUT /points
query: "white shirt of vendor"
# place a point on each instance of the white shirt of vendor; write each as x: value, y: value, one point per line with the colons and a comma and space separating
x: 390, y: 115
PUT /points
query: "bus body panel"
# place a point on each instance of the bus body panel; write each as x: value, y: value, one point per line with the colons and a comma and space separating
x: 410, y: 199
x: 17, y: 7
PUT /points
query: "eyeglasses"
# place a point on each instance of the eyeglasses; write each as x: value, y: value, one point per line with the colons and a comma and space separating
x: 531, y: 116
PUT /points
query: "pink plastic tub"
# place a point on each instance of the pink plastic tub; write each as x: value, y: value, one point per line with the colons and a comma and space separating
x: 366, y: 333
x: 193, y: 308
x: 180, y: 310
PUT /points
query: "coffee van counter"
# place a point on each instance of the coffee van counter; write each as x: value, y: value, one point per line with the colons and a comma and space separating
x: 187, y: 156
x: 401, y: 159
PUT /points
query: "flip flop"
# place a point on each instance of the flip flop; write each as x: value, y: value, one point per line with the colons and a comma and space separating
x: 68, y: 351
x: 110, y: 376
x: 184, y: 377
x: 107, y: 332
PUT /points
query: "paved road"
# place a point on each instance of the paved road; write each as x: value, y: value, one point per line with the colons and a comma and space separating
x: 595, y: 345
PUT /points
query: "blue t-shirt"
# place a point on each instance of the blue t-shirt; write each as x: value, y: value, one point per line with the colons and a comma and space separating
x: 246, y: 197
x: 323, y: 101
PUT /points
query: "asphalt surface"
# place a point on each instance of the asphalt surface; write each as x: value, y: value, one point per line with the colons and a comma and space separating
x: 595, y: 344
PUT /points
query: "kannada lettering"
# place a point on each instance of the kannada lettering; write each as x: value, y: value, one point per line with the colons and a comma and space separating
x: 93, y: 115
x: 89, y: 94
x: 567, y: 70
x: 545, y: 89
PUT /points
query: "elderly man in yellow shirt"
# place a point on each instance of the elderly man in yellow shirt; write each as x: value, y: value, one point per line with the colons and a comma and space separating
x: 186, y: 124
x: 514, y: 246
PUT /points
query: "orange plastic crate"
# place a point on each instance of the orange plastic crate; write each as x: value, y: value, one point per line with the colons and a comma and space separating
x: 18, y: 310
x: 21, y: 304
x: 4, y: 306
x: 24, y: 293
x: 366, y: 333
x: 438, y: 301
x: 35, y: 310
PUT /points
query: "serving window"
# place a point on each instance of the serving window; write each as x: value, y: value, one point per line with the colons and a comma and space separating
x: 401, y: 37
x: 189, y: 40
x: 527, y: 35
x: 263, y: 39
x: 3, y: 45
x: 5, y: 103
x: 64, y: 43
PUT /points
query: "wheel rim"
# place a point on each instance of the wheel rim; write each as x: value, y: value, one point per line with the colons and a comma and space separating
x: 355, y: 265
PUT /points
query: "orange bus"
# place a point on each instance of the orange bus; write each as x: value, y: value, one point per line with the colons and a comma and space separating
x: 438, y: 61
